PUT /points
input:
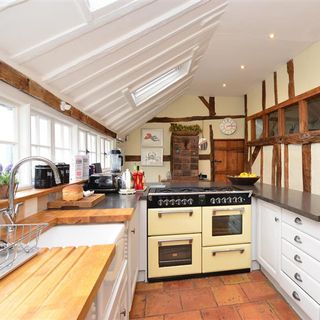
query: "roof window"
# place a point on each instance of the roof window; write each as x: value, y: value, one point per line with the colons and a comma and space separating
x: 95, y: 5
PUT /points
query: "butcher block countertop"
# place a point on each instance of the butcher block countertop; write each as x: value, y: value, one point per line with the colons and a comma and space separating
x: 58, y: 283
x: 57, y: 217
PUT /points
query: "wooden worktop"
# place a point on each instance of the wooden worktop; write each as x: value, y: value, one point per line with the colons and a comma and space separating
x: 56, y: 217
x: 59, y: 283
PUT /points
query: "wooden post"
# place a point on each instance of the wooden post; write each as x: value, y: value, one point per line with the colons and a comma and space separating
x: 306, y: 167
x: 286, y: 166
x: 264, y: 95
x: 261, y: 165
x: 278, y: 165
x: 303, y: 116
x: 275, y: 87
x: 246, y: 162
x: 290, y: 70
x: 212, y: 163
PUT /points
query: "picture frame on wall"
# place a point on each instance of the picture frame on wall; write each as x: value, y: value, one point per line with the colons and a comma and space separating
x: 151, y: 137
x: 152, y: 157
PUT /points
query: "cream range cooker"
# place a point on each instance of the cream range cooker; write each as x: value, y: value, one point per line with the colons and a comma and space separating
x: 194, y: 230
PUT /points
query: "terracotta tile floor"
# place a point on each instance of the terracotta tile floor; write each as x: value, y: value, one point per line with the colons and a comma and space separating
x: 246, y: 296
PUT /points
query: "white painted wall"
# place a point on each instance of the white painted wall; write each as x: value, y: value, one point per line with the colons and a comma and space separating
x: 184, y: 107
x: 306, y: 77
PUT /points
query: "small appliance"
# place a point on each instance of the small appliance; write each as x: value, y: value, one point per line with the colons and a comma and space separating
x: 104, y: 182
x: 44, y: 175
x: 116, y: 160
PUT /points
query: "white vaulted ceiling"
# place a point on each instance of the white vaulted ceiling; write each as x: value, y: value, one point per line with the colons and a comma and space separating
x: 95, y: 59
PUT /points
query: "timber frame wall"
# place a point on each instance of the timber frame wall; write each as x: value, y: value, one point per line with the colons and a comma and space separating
x: 303, y: 137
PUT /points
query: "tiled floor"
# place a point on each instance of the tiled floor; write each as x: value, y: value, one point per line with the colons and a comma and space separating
x: 246, y: 296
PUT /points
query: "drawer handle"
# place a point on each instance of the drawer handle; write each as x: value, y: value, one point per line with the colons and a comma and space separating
x: 175, y: 240
x: 296, y: 296
x: 231, y: 250
x: 160, y: 213
x: 297, y: 220
x: 298, y: 277
x: 216, y: 212
x: 297, y: 258
x: 133, y: 231
x: 297, y: 239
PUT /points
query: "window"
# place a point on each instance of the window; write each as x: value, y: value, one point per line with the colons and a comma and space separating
x: 95, y: 5
x: 62, y: 142
x: 7, y: 135
x: 273, y: 123
x: 259, y: 128
x: 314, y: 113
x: 88, y: 145
x: 291, y: 116
x: 105, y: 147
x: 160, y: 83
x: 41, y: 136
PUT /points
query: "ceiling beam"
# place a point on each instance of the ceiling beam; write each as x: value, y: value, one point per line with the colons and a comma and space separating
x: 21, y: 82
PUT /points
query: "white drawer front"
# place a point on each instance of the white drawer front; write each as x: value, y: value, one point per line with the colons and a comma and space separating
x: 301, y: 278
x: 301, y: 240
x: 301, y: 259
x: 301, y: 223
x: 302, y: 299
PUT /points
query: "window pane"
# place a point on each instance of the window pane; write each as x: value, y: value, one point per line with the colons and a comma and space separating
x: 7, y: 123
x: 34, y: 130
x: 291, y: 115
x: 62, y: 155
x: 314, y: 113
x: 44, y: 132
x: 259, y: 128
x: 273, y: 123
x: 6, y: 154
x: 45, y: 152
x: 67, y: 136
x: 82, y: 141
x: 58, y: 135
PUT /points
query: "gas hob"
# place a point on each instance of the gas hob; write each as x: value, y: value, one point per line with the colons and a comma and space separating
x: 196, y: 196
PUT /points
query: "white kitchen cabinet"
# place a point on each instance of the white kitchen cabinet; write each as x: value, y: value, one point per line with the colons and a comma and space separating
x: 269, y: 237
x: 133, y: 254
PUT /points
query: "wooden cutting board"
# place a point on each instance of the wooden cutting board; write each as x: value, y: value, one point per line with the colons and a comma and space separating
x: 87, y: 202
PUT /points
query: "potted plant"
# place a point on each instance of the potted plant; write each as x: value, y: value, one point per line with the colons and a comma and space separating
x: 4, y: 181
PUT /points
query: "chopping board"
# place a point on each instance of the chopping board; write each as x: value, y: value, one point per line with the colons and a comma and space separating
x: 87, y: 202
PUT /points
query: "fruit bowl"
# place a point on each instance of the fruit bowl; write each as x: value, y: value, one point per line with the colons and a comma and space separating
x: 244, y: 181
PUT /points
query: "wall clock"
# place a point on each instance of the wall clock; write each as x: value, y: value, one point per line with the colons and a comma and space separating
x: 228, y: 126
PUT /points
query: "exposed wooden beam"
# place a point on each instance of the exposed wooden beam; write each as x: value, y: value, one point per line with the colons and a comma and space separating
x: 273, y: 166
x: 275, y: 87
x: 286, y: 166
x: 278, y: 165
x: 212, y: 163
x: 204, y: 101
x: 306, y: 167
x: 290, y: 70
x: 264, y: 97
x: 303, y: 116
x: 212, y: 106
x: 254, y: 155
x: 21, y: 82
x: 245, y: 105
x: 193, y: 118
x: 261, y: 165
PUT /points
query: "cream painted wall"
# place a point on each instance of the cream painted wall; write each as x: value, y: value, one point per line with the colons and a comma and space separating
x: 306, y: 77
x: 184, y: 107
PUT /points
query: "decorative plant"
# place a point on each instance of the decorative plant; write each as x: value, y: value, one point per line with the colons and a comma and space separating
x: 5, y: 174
x: 188, y: 130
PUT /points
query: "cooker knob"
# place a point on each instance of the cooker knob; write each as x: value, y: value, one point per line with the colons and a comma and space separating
x: 160, y: 202
x: 184, y: 201
x: 213, y: 201
x: 172, y: 202
x: 190, y: 201
x: 224, y: 200
x: 178, y: 202
x: 218, y: 201
x: 240, y: 199
x: 235, y: 199
x: 229, y: 200
x: 166, y: 202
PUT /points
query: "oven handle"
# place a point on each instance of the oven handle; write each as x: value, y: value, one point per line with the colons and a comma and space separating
x: 241, y: 250
x: 161, y: 212
x: 240, y: 209
x: 174, y: 240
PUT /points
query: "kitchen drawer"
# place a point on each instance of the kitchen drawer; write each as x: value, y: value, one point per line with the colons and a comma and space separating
x: 301, y: 240
x: 303, y: 224
x: 174, y: 221
x: 302, y: 299
x: 301, y: 278
x: 223, y: 258
x: 302, y: 260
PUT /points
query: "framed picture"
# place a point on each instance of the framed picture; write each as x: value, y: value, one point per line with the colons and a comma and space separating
x: 152, y: 157
x: 152, y: 137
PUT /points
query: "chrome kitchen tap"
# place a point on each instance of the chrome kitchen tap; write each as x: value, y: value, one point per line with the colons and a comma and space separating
x: 11, y: 212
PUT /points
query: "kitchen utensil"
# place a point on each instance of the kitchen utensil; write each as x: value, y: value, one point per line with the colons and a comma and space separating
x: 126, y: 181
x: 245, y: 181
x: 116, y: 160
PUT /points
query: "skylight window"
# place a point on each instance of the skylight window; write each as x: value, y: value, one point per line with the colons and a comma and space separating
x: 95, y: 5
x: 160, y: 83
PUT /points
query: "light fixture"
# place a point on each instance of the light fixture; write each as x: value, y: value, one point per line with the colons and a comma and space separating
x: 242, y: 66
x: 224, y: 85
x: 64, y: 106
x: 271, y: 35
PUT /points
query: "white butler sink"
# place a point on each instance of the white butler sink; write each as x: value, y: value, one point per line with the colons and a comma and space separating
x: 81, y: 235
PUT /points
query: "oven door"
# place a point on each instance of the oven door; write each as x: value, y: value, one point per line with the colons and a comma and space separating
x: 226, y: 225
x: 174, y: 255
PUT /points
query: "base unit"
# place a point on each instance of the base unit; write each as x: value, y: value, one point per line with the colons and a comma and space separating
x: 224, y: 258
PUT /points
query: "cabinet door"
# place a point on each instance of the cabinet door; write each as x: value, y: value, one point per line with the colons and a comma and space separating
x: 269, y: 237
x: 133, y: 254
